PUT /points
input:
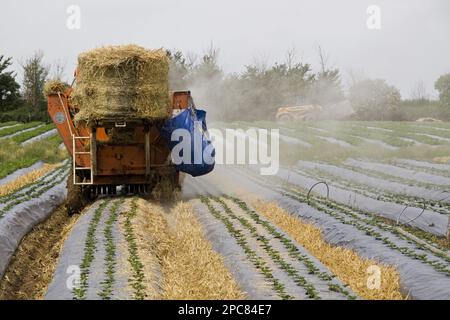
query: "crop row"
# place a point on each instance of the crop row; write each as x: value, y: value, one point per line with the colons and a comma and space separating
x: 355, y: 217
x: 437, y: 206
x: 137, y: 279
x: 34, y: 191
x: 8, y: 124
x: 22, y: 137
x: 90, y: 245
x: 8, y: 131
x: 110, y: 248
x: 389, y: 177
x: 252, y: 256
x: 435, y: 171
x: 355, y: 133
x: 398, y: 136
x: 386, y: 137
x: 274, y: 254
x: 292, y: 249
x: 339, y: 135
x: 304, y: 134
x: 414, y: 128
x: 39, y: 182
x: 378, y: 193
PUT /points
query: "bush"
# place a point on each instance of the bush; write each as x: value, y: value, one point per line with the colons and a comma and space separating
x: 375, y: 100
x: 416, y: 109
x: 24, y: 113
x: 442, y: 85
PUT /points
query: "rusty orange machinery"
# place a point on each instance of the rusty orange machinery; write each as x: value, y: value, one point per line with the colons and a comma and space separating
x: 98, y: 161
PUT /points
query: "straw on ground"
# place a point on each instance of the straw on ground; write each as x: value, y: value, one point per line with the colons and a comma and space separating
x: 346, y: 264
x: 190, y: 268
x: 26, y: 179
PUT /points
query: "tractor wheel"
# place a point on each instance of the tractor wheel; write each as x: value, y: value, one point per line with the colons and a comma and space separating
x: 77, y: 197
x: 284, y: 118
x: 310, y: 117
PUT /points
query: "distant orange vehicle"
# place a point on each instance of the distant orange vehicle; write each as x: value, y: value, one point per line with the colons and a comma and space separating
x: 300, y: 113
x: 100, y: 164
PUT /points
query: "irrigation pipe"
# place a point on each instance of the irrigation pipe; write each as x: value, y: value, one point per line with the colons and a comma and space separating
x: 314, y: 185
x: 403, y: 211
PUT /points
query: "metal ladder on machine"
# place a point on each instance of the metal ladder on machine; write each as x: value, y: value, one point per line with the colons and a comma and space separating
x: 81, y: 152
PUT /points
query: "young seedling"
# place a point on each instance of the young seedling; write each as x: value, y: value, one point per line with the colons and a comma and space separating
x: 110, y: 247
x: 352, y: 216
x: 137, y: 279
x: 253, y: 257
x: 79, y: 293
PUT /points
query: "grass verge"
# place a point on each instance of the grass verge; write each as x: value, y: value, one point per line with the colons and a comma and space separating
x: 14, y: 156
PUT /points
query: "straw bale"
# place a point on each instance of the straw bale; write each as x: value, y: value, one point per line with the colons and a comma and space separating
x: 122, y: 82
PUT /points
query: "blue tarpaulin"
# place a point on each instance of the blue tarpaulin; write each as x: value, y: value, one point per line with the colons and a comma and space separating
x: 187, y: 137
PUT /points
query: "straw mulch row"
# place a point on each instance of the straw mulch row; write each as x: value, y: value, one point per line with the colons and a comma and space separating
x: 188, y: 265
x: 345, y: 263
x: 25, y: 179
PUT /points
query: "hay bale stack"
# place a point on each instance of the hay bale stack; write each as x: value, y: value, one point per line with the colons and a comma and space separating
x: 118, y: 82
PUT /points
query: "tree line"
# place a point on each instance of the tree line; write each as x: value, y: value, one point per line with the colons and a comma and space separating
x: 25, y: 102
x: 253, y: 94
x: 257, y: 92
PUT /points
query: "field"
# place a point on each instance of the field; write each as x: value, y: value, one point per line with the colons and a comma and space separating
x: 17, y: 151
x: 357, y: 210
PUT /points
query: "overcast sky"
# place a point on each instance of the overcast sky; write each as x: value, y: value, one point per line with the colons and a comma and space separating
x: 412, y: 44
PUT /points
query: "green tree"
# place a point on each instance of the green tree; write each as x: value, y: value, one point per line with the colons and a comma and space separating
x: 9, y: 88
x: 374, y: 100
x: 208, y: 68
x: 442, y: 85
x: 258, y: 91
x: 179, y: 70
x: 34, y: 77
x: 327, y: 88
x: 205, y: 79
x: 261, y: 91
